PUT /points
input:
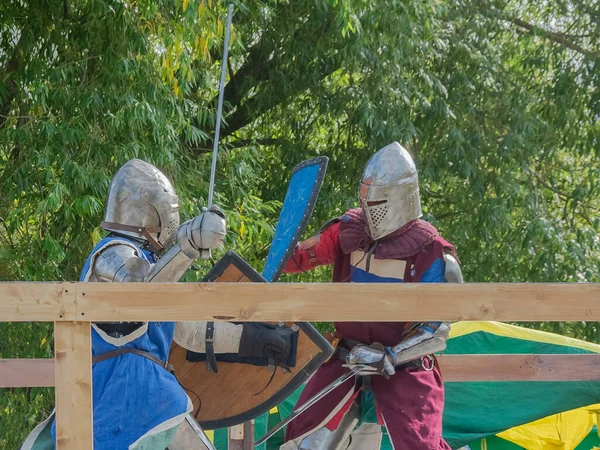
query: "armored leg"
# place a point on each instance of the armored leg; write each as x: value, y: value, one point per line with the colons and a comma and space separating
x: 326, y: 439
x: 366, y: 437
x: 189, y: 436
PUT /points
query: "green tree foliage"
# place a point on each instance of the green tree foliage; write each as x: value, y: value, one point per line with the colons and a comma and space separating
x: 497, y: 100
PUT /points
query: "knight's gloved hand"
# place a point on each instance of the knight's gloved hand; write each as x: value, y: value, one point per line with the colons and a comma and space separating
x: 206, y: 231
x: 266, y: 341
x: 380, y: 360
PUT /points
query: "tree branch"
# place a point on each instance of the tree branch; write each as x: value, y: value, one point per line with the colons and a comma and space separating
x: 252, y: 109
x: 239, y: 143
x: 6, y: 235
x: 557, y: 38
x: 12, y: 67
x: 563, y: 195
x: 262, y: 61
x: 449, y: 214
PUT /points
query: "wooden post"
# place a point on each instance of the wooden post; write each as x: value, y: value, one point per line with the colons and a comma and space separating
x: 249, y: 435
x: 73, y: 356
x: 236, y: 438
x: 241, y: 437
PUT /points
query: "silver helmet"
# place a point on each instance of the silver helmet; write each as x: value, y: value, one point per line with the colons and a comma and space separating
x: 389, y: 191
x: 142, y: 203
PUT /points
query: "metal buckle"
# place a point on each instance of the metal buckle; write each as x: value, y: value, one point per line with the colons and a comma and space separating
x: 430, y: 366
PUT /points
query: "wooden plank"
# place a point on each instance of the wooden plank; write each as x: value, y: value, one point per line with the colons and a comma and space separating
x: 284, y: 302
x: 37, y: 302
x: 73, y: 355
x: 26, y: 373
x: 465, y: 368
x: 455, y: 368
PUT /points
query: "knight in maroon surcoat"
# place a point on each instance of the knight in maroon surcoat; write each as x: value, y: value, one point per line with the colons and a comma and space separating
x: 383, y: 241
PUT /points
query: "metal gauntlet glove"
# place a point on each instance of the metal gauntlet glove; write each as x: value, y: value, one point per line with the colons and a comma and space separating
x: 206, y: 231
x: 423, y: 340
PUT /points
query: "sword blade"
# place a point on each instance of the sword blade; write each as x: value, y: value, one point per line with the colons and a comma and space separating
x: 322, y: 393
x: 200, y: 432
x: 213, y: 168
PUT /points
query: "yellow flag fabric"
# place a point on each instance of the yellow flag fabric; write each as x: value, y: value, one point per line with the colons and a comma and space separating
x: 459, y: 329
x: 562, y: 431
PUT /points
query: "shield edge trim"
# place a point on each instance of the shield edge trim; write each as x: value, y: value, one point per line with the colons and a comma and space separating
x: 322, y: 162
x: 226, y: 260
x: 301, y: 375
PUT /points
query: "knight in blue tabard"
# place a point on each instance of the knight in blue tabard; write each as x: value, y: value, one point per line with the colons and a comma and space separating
x: 138, y: 402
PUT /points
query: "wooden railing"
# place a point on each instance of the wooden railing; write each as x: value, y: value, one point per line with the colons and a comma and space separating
x: 72, y: 306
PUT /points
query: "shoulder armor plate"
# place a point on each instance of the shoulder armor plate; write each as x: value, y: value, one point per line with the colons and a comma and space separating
x: 453, y: 273
x: 117, y: 263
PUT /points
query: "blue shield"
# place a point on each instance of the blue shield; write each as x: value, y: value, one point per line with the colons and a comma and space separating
x: 302, y: 193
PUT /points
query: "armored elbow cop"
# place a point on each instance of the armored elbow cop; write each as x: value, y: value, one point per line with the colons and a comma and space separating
x: 428, y: 337
x: 424, y: 339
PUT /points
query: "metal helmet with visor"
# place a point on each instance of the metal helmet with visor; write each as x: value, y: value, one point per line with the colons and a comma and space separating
x: 389, y: 191
x: 142, y: 203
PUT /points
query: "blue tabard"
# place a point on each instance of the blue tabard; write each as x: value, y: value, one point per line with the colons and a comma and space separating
x: 137, y: 403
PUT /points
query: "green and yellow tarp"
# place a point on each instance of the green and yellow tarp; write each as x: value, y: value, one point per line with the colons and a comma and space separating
x: 500, y: 415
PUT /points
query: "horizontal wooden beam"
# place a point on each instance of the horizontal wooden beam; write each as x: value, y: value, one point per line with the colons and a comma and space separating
x: 37, y: 302
x: 298, y: 302
x: 577, y: 367
x: 26, y: 373
x: 455, y: 368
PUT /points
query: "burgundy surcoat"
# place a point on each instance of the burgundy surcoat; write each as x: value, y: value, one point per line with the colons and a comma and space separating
x: 411, y: 402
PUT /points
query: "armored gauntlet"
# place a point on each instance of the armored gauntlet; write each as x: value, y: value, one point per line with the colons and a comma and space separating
x: 198, y: 236
x: 423, y: 340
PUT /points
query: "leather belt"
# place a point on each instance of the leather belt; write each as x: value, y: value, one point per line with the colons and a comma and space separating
x: 122, y: 351
x: 144, y: 231
x: 211, y: 358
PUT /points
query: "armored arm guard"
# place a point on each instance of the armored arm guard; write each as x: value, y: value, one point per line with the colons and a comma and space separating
x: 429, y: 337
x: 119, y: 261
x: 420, y: 341
x: 195, y: 238
x: 192, y: 336
x: 248, y: 340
